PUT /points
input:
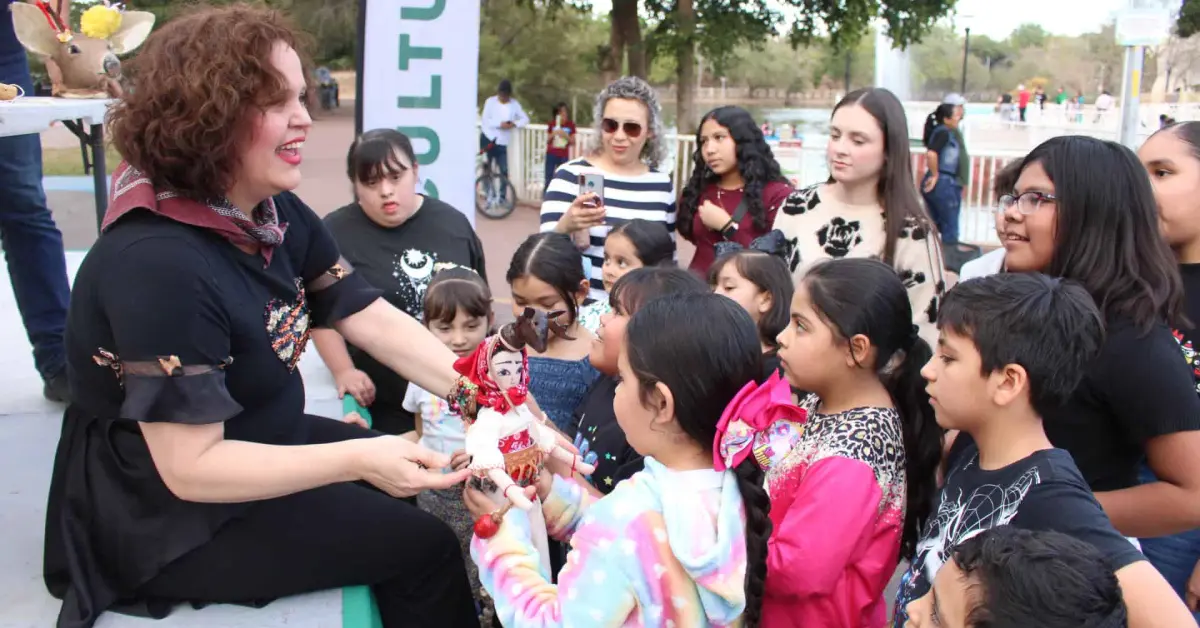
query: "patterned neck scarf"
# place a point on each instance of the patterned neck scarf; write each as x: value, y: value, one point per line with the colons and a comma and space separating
x: 133, y: 190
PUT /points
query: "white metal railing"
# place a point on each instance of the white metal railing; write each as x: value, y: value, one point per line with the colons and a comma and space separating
x: 802, y: 164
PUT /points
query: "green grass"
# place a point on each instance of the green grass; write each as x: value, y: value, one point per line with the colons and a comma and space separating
x: 60, y: 162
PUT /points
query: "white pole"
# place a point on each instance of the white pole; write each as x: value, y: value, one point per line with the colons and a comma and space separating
x: 1131, y: 94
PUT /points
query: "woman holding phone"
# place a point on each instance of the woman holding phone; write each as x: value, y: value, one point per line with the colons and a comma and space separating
x: 625, y: 170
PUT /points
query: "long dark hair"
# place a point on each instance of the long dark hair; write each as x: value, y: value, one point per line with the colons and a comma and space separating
x: 755, y: 162
x: 640, y: 285
x: 864, y: 296
x: 705, y: 366
x: 1187, y: 131
x: 769, y: 273
x: 552, y: 258
x: 650, y: 239
x: 897, y: 192
x: 933, y: 120
x: 1106, y: 230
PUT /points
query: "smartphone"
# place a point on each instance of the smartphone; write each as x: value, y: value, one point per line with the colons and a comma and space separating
x: 592, y: 182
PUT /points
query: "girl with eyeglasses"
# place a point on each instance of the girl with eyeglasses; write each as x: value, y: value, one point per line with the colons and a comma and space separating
x: 1099, y: 225
x: 629, y: 126
x: 992, y: 262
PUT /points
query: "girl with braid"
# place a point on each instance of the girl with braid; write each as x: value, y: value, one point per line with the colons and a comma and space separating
x: 848, y: 498
x: 682, y: 542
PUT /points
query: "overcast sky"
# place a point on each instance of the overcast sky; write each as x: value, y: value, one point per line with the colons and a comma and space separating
x: 997, y: 19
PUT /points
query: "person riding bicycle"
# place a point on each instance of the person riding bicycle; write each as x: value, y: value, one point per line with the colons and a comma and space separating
x: 501, y: 114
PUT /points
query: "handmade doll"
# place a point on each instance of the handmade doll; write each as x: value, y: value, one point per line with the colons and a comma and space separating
x: 506, y: 441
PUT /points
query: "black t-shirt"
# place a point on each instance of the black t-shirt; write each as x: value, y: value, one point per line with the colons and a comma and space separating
x: 600, y: 439
x: 1042, y: 492
x: 1140, y: 387
x: 172, y: 323
x: 771, y: 364
x: 401, y: 261
x: 938, y: 140
x: 1186, y: 335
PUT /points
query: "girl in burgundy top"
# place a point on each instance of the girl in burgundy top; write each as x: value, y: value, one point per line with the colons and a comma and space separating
x: 732, y: 160
x: 560, y: 133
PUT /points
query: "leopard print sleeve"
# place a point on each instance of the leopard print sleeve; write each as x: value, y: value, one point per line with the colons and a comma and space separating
x: 920, y: 264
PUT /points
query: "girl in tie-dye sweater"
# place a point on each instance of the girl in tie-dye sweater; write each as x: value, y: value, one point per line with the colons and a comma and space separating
x: 681, y: 543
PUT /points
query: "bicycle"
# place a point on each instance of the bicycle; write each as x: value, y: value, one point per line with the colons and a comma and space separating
x: 495, y: 195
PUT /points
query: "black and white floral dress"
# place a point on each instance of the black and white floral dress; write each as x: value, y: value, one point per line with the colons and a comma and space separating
x: 820, y: 228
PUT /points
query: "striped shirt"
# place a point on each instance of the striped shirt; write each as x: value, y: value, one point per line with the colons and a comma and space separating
x: 649, y: 196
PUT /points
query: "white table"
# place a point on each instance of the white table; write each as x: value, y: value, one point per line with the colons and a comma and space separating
x: 84, y: 117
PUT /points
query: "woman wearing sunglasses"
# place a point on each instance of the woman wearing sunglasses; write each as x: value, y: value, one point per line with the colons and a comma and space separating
x: 1099, y: 226
x: 629, y: 121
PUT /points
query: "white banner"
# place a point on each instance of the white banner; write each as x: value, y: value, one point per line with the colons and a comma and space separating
x: 421, y: 62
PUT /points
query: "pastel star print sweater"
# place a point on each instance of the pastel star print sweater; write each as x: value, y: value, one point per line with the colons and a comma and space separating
x: 666, y: 548
x: 822, y: 228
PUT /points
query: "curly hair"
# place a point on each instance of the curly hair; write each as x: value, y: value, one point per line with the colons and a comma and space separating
x: 633, y: 88
x: 755, y: 162
x: 193, y: 86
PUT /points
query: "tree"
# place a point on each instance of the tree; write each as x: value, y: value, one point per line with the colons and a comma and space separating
x: 714, y: 29
x: 991, y: 52
x: 1028, y: 36
x: 1188, y: 23
x: 549, y: 54
x: 1109, y: 57
x: 938, y: 66
x: 830, y: 64
x: 721, y: 27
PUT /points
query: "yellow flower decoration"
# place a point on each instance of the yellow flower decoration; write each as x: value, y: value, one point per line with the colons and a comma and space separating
x: 100, y: 22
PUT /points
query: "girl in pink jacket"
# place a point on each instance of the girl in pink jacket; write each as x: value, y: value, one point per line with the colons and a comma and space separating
x: 848, y: 499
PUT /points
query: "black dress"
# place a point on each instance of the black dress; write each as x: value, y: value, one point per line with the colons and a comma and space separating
x: 172, y: 323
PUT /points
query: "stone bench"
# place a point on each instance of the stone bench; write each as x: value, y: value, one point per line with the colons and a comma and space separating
x: 27, y: 444
x: 29, y: 430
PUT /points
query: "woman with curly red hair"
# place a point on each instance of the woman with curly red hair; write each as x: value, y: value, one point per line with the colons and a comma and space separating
x: 187, y: 469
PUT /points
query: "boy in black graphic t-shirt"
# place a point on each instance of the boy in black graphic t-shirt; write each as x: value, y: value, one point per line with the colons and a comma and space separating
x: 1012, y: 346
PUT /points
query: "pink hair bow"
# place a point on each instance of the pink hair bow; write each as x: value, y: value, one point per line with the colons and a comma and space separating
x: 746, y: 421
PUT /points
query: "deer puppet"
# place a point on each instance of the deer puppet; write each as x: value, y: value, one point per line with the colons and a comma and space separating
x: 87, y: 60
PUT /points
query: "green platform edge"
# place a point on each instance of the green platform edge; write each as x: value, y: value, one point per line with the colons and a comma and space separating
x: 358, y: 604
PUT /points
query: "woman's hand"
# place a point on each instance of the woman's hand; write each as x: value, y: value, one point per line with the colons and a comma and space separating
x: 585, y: 212
x: 401, y: 468
x: 480, y: 505
x: 459, y: 460
x: 930, y: 183
x: 713, y: 216
x: 358, y: 384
